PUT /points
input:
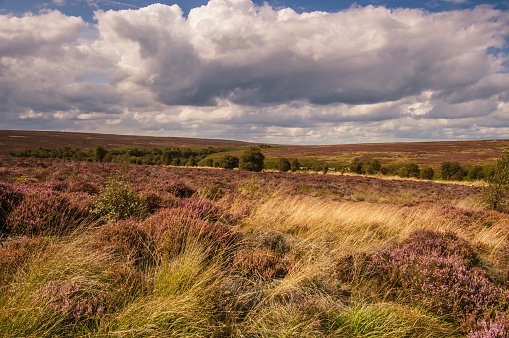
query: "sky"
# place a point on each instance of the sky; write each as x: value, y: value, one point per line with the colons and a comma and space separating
x: 277, y: 71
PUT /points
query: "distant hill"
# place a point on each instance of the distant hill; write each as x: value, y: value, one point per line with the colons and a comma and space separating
x: 11, y: 140
x: 468, y: 153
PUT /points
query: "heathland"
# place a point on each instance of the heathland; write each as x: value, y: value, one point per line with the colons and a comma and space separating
x: 122, y: 249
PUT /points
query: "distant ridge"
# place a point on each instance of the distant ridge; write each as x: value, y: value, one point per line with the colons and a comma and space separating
x: 433, y: 153
x: 11, y: 140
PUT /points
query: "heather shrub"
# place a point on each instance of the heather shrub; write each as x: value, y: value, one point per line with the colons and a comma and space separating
x: 10, y: 197
x: 45, y: 211
x: 118, y: 201
x: 172, y: 229
x: 439, y: 270
x: 210, y: 211
x: 84, y: 186
x: 179, y: 189
x: 128, y: 240
x: 490, y: 329
x: 262, y: 263
x: 16, y: 253
x: 77, y: 301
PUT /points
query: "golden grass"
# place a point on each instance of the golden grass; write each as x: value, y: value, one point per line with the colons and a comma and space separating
x: 332, y: 226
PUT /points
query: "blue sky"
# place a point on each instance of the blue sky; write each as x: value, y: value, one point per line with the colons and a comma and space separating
x: 293, y: 72
x: 85, y: 9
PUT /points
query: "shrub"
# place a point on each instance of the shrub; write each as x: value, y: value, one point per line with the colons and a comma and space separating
x: 252, y: 159
x: 43, y: 211
x: 118, y: 201
x: 427, y: 173
x: 452, y: 171
x: 410, y: 170
x: 179, y: 189
x: 229, y: 162
x: 439, y: 271
x: 172, y: 229
x: 127, y: 239
x: 476, y: 173
x: 496, y: 193
x: 491, y: 329
x: 10, y: 197
x: 76, y: 301
x: 284, y: 165
x: 295, y: 165
x: 262, y: 263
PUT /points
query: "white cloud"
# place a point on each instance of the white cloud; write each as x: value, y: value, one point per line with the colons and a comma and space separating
x: 236, y: 70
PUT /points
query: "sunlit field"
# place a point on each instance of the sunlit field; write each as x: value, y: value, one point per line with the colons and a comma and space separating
x: 106, y: 249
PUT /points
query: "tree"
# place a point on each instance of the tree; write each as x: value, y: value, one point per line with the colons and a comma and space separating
x: 452, y: 171
x: 229, y: 162
x: 166, y: 158
x: 476, y: 173
x: 356, y: 166
x: 100, y: 153
x: 284, y: 165
x: 427, y: 173
x: 295, y: 165
x: 374, y: 167
x: 410, y: 170
x: 191, y: 161
x: 252, y: 159
x: 496, y: 193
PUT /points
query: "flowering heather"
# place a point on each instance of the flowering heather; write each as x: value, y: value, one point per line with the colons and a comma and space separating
x: 440, y: 271
x: 10, y: 197
x: 77, y: 301
x: 490, y: 329
x: 262, y: 263
x: 172, y: 228
x: 179, y: 189
x: 127, y: 239
x: 44, y: 211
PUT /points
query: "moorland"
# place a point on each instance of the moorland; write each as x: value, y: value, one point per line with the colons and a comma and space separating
x: 126, y: 249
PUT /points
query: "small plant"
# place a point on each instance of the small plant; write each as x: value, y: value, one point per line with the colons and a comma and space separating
x: 118, y: 201
x: 76, y: 301
x: 127, y: 239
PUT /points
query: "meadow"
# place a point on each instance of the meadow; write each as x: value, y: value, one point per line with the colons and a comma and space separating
x: 93, y: 249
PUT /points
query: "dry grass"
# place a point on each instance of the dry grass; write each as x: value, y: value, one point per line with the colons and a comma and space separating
x: 332, y: 226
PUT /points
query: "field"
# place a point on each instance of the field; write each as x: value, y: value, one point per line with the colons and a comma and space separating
x: 124, y: 250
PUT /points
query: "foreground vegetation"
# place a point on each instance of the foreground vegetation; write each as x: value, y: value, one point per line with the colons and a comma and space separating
x: 114, y: 249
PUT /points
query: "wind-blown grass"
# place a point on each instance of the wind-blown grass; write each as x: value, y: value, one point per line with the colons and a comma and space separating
x: 247, y: 256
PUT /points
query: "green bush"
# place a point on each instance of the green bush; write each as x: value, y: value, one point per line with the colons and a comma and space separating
x: 427, y: 173
x: 118, y: 201
x: 284, y: 165
x: 496, y: 193
x: 452, y: 171
x: 252, y: 159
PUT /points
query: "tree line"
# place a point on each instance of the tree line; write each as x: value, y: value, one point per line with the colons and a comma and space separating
x: 253, y: 159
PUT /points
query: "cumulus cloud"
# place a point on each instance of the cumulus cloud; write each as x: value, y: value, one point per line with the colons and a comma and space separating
x: 236, y: 70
